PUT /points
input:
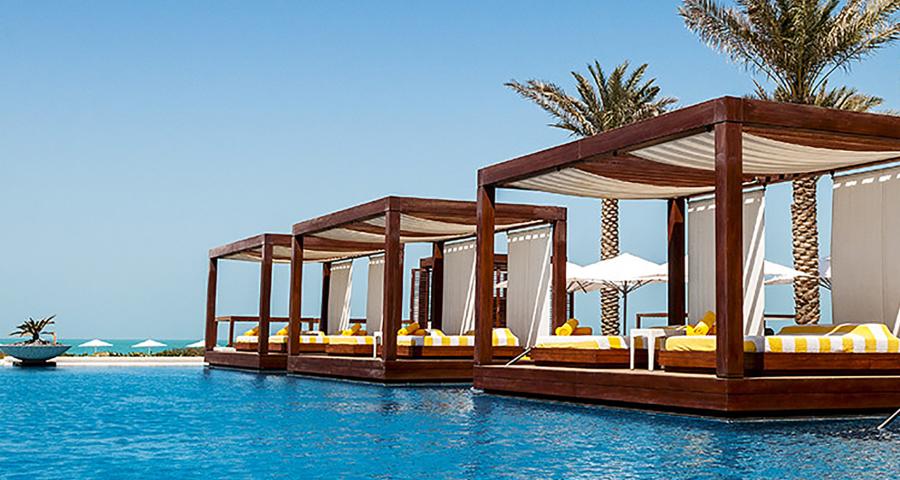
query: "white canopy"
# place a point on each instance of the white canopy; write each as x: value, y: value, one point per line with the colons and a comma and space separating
x: 95, y: 343
x: 199, y: 344
x: 575, y: 279
x: 149, y: 343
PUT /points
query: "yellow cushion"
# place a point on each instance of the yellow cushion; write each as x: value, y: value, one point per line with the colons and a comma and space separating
x: 419, y: 333
x: 252, y: 332
x: 409, y: 329
x: 583, y: 331
x: 567, y: 328
x: 701, y: 343
x: 437, y: 333
x: 706, y: 325
x: 282, y: 332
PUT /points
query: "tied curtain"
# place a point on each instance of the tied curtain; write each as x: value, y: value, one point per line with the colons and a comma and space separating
x: 339, y: 288
x: 865, y: 248
x: 458, y: 309
x: 375, y: 294
x: 702, y: 260
x: 528, y: 293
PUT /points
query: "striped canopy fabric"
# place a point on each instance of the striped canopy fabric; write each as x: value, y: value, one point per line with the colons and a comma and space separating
x: 685, y: 166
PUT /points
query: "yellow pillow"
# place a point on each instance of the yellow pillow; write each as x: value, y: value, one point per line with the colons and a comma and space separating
x: 409, y: 329
x: 420, y: 332
x: 252, y: 332
x: 583, y: 331
x: 352, y: 330
x: 706, y: 325
x: 282, y: 332
x: 567, y: 328
x: 437, y: 333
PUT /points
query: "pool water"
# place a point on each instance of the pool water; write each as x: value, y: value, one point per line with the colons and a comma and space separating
x: 85, y: 422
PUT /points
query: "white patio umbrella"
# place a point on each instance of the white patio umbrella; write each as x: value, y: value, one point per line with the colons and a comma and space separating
x: 148, y: 344
x: 575, y: 279
x: 95, y: 344
x: 626, y: 273
x: 201, y: 343
x: 777, y: 274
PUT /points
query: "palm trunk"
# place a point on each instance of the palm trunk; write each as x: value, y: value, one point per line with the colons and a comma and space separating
x: 804, y: 229
x: 609, y: 248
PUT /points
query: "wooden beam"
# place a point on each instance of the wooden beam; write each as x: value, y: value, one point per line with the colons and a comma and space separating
x: 250, y: 243
x: 676, y: 283
x: 558, y: 283
x: 212, y: 327
x: 729, y: 252
x: 484, y: 275
x: 392, y: 306
x: 326, y: 295
x: 437, y: 285
x: 296, y: 295
x: 265, y: 299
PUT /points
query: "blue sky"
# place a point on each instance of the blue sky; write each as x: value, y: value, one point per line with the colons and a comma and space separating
x: 135, y: 136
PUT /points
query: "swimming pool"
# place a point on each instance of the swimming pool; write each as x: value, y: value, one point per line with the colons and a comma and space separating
x: 85, y: 422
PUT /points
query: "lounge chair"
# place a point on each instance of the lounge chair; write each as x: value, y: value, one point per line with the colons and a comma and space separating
x: 437, y: 344
x: 574, y: 345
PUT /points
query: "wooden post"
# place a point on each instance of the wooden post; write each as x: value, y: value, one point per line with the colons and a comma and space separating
x: 296, y: 295
x: 212, y: 327
x: 326, y: 295
x: 558, y: 275
x: 729, y: 252
x: 231, y: 333
x: 484, y: 275
x: 265, y: 298
x: 393, y: 286
x: 676, y: 287
x: 437, y: 285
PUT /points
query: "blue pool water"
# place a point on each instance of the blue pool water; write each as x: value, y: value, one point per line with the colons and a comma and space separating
x: 84, y: 422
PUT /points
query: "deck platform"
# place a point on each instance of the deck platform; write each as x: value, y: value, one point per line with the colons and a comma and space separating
x: 376, y: 370
x: 696, y: 393
x: 247, y: 360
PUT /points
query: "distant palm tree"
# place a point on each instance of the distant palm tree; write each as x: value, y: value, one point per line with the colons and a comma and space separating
x: 795, y: 45
x: 603, y: 103
x: 34, y: 328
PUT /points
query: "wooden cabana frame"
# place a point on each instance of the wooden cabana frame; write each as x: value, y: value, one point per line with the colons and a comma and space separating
x: 718, y: 147
x: 385, y: 226
x: 265, y: 249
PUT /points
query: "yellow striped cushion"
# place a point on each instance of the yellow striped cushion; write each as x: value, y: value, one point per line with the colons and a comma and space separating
x: 503, y: 337
x: 350, y: 340
x: 246, y: 339
x: 586, y: 342
x: 278, y: 339
x: 707, y: 343
x: 314, y: 339
x: 867, y: 338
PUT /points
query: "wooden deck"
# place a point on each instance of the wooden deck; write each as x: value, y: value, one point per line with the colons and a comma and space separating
x: 696, y: 393
x: 247, y: 360
x: 376, y: 370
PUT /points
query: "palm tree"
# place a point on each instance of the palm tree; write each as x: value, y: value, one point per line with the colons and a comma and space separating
x: 34, y: 328
x: 603, y: 103
x: 794, y: 46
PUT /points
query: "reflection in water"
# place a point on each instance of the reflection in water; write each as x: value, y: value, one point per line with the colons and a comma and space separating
x: 191, y: 423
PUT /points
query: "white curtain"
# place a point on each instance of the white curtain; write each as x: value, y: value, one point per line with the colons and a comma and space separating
x: 339, y: 289
x: 865, y: 258
x: 458, y: 310
x: 528, y: 294
x: 375, y: 294
x: 702, y: 260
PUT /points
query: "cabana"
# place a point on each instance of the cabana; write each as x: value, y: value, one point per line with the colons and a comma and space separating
x: 720, y: 155
x: 441, y: 349
x: 247, y: 351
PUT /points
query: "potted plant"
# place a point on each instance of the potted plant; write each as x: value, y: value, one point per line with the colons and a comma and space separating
x: 35, y: 350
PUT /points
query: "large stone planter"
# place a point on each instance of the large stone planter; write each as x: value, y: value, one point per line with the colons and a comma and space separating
x: 34, y: 355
